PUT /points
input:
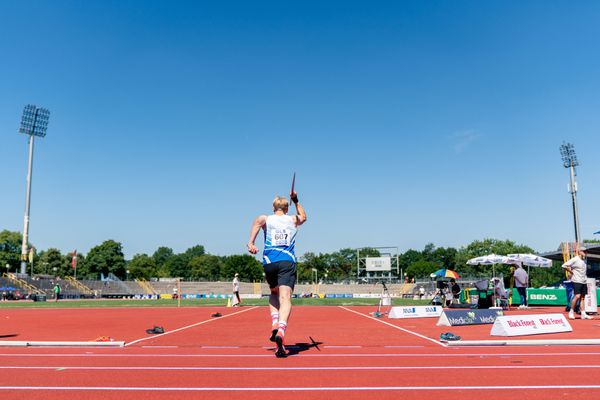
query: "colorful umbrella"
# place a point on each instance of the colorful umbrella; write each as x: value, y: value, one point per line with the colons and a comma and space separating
x: 446, y: 273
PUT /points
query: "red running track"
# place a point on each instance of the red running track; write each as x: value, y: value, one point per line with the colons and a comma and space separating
x: 336, y: 353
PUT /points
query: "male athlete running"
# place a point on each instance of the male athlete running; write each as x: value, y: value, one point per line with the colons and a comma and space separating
x: 279, y: 261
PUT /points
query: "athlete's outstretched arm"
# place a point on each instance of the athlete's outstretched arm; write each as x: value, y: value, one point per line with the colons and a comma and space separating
x: 258, y: 223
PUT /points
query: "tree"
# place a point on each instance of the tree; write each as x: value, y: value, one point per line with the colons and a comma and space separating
x: 195, y: 251
x: 106, y: 258
x: 407, y: 259
x: 444, y: 257
x: 141, y: 266
x: 161, y: 255
x: 247, y: 266
x: 546, y: 276
x: 177, y: 266
x: 422, y: 269
x: 10, y: 249
x: 51, y: 262
x: 206, y: 267
x: 341, y: 264
x: 310, y: 262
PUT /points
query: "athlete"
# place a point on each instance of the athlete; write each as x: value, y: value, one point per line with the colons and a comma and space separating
x: 279, y: 262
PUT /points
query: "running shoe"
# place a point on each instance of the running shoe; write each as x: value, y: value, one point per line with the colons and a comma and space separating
x: 280, y: 353
x: 449, y: 336
x: 273, y: 334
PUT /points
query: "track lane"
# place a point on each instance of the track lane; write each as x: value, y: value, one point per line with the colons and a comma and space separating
x: 354, y: 360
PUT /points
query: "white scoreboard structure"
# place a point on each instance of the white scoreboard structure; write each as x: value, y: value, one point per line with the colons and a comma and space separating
x: 377, y: 263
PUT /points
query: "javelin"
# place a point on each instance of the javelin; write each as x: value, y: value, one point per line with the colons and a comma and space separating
x: 293, y: 183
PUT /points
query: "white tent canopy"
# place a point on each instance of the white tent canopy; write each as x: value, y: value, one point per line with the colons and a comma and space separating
x: 531, y: 260
x: 490, y: 259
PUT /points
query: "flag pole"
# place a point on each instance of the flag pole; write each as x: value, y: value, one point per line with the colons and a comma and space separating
x: 178, y: 292
x: 74, y: 263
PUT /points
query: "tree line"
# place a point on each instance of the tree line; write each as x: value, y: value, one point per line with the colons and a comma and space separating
x: 196, y: 264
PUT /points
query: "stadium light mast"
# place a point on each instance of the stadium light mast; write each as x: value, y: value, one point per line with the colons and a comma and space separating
x: 34, y: 122
x: 567, y: 151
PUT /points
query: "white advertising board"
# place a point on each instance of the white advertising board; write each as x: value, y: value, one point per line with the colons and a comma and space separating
x: 415, y: 312
x: 375, y: 264
x: 522, y: 325
x: 591, y: 301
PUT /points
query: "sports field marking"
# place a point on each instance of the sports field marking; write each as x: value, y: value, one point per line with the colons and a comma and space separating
x: 189, y: 326
x: 287, y: 389
x: 333, y: 368
x: 396, y: 327
x: 315, y: 355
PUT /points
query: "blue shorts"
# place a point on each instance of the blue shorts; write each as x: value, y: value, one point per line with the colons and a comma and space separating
x: 281, y: 273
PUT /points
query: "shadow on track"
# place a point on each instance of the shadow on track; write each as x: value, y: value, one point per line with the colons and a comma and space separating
x: 9, y: 335
x: 297, y: 348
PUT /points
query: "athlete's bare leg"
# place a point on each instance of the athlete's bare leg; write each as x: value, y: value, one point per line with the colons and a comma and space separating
x: 285, y: 303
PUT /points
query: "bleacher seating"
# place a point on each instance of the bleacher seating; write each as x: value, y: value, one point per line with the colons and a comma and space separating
x: 118, y: 288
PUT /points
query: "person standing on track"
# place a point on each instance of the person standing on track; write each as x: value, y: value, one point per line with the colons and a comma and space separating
x: 577, y: 269
x: 279, y: 261
x: 236, y: 289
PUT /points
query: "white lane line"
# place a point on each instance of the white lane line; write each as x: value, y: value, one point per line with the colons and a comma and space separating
x: 288, y: 389
x: 342, y: 347
x: 371, y: 368
x: 396, y: 327
x: 386, y: 355
x: 160, y: 347
x: 189, y: 326
x: 220, y: 347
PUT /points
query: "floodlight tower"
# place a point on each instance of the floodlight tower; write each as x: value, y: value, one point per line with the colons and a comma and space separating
x: 34, y: 122
x: 567, y: 151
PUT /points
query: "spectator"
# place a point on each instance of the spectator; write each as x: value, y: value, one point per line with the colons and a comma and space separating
x: 56, y: 292
x: 521, y: 283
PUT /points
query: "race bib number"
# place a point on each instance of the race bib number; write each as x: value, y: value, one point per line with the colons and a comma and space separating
x: 281, y: 237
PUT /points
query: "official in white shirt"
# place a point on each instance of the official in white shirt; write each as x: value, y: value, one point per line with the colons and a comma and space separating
x: 577, y: 269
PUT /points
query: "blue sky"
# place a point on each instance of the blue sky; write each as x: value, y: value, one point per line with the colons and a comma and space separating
x: 175, y: 123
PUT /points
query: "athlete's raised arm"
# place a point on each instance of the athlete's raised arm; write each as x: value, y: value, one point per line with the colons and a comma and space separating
x: 300, y: 213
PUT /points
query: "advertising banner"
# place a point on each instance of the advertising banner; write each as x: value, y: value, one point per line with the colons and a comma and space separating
x: 468, y: 317
x: 415, y: 312
x: 521, y: 325
x: 591, y: 300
